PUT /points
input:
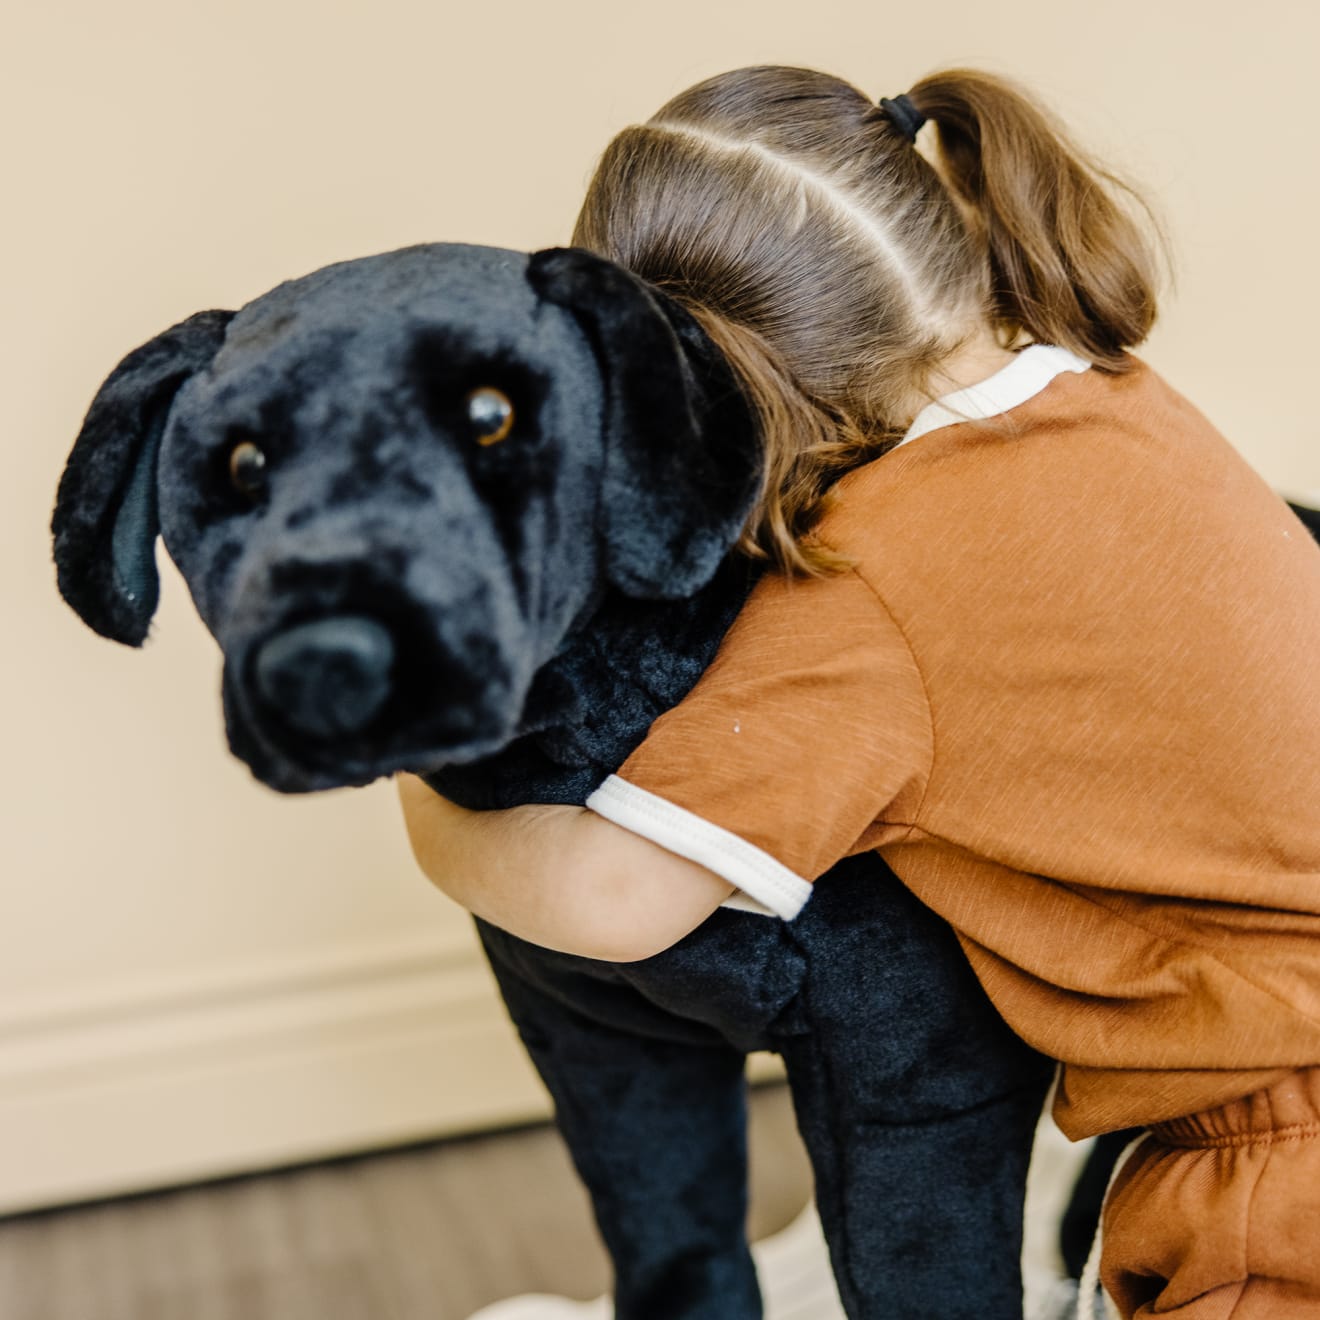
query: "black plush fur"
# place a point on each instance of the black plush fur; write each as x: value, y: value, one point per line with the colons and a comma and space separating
x: 509, y: 619
x: 687, y: 491
x: 1310, y: 518
x: 514, y: 579
x: 128, y: 413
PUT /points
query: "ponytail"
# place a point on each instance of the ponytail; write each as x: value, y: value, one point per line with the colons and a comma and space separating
x: 1069, y: 264
x: 837, y: 268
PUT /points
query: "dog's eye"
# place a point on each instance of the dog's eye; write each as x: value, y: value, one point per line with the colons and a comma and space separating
x: 247, y: 469
x: 491, y: 415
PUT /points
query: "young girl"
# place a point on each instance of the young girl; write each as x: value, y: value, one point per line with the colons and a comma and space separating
x: 1046, y: 643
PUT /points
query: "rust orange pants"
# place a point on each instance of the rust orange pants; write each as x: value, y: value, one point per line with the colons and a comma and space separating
x: 1217, y: 1216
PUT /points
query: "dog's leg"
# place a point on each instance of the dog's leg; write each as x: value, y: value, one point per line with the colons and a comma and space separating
x: 653, y: 1109
x: 917, y: 1105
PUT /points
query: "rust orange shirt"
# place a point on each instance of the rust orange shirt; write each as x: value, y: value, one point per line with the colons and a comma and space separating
x: 1068, y: 691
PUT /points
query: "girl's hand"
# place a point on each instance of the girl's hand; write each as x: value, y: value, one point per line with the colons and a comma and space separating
x: 561, y: 877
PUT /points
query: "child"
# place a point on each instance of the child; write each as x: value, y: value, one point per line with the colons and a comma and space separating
x: 1040, y: 636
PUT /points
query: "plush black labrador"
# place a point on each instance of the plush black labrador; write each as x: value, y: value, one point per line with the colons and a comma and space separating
x: 460, y: 511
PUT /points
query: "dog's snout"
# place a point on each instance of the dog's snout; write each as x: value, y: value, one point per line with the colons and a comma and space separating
x: 327, y: 678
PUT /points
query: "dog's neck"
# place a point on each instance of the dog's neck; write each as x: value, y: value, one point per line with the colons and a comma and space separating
x: 631, y: 660
x: 621, y: 666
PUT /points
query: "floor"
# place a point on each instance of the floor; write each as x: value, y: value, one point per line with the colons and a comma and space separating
x: 429, y: 1233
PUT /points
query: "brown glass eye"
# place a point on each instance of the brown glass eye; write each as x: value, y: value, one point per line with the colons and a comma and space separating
x: 491, y: 415
x: 247, y: 469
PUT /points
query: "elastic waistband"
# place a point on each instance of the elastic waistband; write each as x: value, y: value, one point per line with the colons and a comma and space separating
x: 1287, y: 1111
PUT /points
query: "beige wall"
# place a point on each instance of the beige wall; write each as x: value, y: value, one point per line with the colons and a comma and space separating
x: 194, y: 973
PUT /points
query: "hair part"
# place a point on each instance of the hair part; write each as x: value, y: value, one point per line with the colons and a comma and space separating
x: 837, y: 267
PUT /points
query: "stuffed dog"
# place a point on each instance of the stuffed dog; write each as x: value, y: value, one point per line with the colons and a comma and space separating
x: 469, y: 513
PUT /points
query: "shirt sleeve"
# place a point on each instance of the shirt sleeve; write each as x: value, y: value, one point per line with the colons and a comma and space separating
x: 807, y: 739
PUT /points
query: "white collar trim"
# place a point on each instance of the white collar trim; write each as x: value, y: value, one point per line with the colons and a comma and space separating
x: 1030, y: 371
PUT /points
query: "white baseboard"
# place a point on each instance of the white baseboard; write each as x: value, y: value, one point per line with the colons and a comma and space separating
x: 199, y: 1076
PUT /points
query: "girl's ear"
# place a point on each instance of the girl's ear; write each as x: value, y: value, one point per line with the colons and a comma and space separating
x: 106, y: 521
x: 682, y: 456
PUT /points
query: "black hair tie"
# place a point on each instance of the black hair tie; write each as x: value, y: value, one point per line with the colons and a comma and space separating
x: 904, y: 115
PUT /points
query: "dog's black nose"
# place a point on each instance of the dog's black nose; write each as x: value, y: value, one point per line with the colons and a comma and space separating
x: 327, y: 678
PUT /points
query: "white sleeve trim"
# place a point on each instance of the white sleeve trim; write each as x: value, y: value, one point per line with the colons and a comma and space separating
x: 740, y: 902
x: 760, y: 876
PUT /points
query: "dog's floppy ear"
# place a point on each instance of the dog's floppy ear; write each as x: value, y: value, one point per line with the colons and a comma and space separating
x: 682, y: 456
x: 106, y: 520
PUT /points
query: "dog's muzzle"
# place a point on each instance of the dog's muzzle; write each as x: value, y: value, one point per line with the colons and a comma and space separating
x: 327, y: 678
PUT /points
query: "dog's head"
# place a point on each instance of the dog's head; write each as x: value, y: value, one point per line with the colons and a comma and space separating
x: 395, y: 487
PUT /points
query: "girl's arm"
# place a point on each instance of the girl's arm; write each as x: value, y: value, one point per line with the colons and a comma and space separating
x: 561, y: 877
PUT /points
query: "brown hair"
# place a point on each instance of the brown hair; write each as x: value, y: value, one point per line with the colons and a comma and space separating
x: 837, y: 267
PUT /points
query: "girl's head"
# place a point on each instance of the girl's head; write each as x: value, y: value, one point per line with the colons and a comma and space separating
x: 839, y: 268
